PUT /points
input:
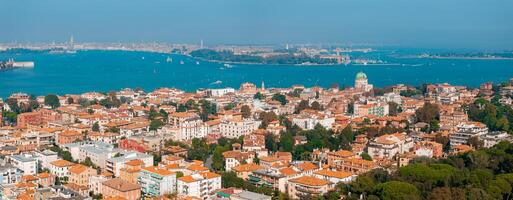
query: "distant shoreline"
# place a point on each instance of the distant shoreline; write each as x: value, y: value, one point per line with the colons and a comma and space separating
x: 456, y: 57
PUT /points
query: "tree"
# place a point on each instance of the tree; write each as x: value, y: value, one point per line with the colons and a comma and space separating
x: 246, y: 111
x: 229, y: 106
x: 393, y: 108
x: 52, y: 100
x: 69, y: 100
x: 350, y: 108
x: 366, y: 156
x: 266, y: 118
x: 258, y: 96
x: 396, y: 190
x: 316, y: 106
x: 286, y: 142
x: 270, y: 143
x: 280, y: 98
x: 303, y: 104
x: 96, y: 127
x: 428, y: 113
x: 88, y: 162
x: 156, y: 124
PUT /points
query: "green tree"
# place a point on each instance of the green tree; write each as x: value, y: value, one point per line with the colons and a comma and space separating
x: 280, y: 98
x: 258, y: 96
x: 246, y: 111
x: 395, y: 190
x: 52, y: 100
x: 366, y: 156
x: 156, y: 124
x: 96, y: 127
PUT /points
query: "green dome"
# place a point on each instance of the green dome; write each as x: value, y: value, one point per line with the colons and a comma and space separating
x: 361, y: 75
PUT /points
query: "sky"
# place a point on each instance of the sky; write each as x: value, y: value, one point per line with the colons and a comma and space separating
x: 485, y: 24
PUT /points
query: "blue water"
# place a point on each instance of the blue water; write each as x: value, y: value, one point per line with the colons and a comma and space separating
x: 104, y: 71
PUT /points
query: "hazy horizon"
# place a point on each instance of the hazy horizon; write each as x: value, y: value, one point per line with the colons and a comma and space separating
x: 411, y: 23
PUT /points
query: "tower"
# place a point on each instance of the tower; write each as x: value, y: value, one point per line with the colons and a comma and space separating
x: 362, y: 83
x: 263, y: 86
x: 71, y: 43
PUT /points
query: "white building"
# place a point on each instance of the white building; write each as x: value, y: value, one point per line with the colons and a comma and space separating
x: 307, y: 119
x: 9, y: 174
x: 157, y: 182
x: 60, y: 168
x: 387, y: 146
x: 494, y: 137
x: 45, y: 158
x: 116, y: 163
x: 200, y: 185
x: 335, y: 176
x: 361, y: 83
x: 219, y: 92
x: 26, y: 162
x: 234, y: 128
x: 467, y: 130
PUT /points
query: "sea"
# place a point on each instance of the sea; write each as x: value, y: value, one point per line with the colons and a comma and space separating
x: 104, y: 71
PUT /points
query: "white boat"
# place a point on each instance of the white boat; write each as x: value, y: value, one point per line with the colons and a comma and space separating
x: 181, y: 62
x: 228, y: 65
x: 169, y: 59
x: 216, y: 82
x: 197, y: 63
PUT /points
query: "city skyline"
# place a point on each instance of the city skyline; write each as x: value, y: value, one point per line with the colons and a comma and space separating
x: 439, y: 24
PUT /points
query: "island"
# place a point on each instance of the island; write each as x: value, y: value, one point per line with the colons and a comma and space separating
x: 275, y: 57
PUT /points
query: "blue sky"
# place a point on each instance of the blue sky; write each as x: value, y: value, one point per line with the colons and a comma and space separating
x: 486, y: 24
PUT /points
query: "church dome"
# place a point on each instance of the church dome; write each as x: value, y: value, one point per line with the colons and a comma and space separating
x: 361, y: 75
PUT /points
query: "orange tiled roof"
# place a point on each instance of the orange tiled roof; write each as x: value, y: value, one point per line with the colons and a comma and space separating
x: 135, y: 162
x: 77, y: 169
x: 251, y: 167
x: 335, y: 174
x: 155, y: 170
x: 62, y: 163
x: 310, y: 181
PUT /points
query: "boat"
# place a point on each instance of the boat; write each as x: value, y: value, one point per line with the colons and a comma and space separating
x: 169, y: 59
x: 197, y: 63
x: 228, y: 65
x: 181, y: 62
x: 142, y: 57
x: 216, y: 82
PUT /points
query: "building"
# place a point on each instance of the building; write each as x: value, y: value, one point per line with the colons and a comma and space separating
x: 200, y: 185
x: 9, y: 174
x: 494, y: 137
x: 428, y: 149
x: 60, y: 168
x: 361, y: 83
x: 236, y: 158
x: 308, y: 119
x: 379, y: 109
x: 465, y: 131
x: 243, y: 171
x: 307, y: 187
x: 248, y: 88
x: 388, y: 146
x: 26, y: 162
x: 69, y: 136
x: 80, y: 174
x: 157, y: 182
x: 119, y: 188
x: 355, y: 165
x: 131, y: 171
x: 334, y: 176
x: 234, y: 128
x: 114, y: 164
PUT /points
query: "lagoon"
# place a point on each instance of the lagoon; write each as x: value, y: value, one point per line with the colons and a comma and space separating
x: 103, y: 71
